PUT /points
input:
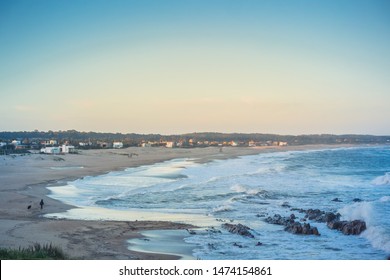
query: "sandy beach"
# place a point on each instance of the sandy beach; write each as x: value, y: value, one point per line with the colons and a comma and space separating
x: 24, y: 179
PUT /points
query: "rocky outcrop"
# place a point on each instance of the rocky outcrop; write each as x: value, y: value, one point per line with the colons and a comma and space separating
x: 238, y: 229
x: 279, y: 220
x: 291, y: 225
x: 298, y: 228
x: 318, y: 215
x: 355, y: 227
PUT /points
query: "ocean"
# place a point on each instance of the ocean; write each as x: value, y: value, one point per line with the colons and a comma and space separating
x: 354, y: 182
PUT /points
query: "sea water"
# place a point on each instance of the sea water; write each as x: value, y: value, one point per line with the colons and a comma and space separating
x: 354, y: 182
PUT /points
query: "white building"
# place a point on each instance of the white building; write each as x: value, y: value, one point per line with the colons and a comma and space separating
x: 51, y: 150
x: 66, y: 149
x: 146, y: 145
x: 117, y: 145
x: 16, y: 142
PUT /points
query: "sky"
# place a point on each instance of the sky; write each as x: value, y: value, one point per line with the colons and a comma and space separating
x: 172, y: 67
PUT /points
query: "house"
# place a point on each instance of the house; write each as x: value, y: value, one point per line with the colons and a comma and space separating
x: 85, y: 144
x: 16, y: 143
x: 117, y: 145
x: 170, y: 144
x: 146, y: 145
x: 66, y: 149
x: 102, y: 144
x: 51, y: 150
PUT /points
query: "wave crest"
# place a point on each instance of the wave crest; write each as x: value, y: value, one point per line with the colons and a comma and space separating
x: 382, y: 180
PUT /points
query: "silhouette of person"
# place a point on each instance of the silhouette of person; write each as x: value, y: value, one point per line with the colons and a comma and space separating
x: 41, y: 203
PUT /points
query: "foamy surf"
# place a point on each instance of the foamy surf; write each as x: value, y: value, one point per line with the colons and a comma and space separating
x: 382, y: 180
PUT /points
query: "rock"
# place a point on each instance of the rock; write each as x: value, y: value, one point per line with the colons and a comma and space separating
x: 285, y: 204
x: 291, y: 225
x: 357, y: 200
x: 348, y: 228
x: 295, y: 228
x: 335, y: 224
x: 279, y: 220
x: 315, y: 231
x: 329, y: 216
x: 259, y: 243
x: 298, y: 228
x: 319, y: 216
x: 337, y: 200
x: 238, y: 229
x: 314, y: 214
x: 190, y: 231
x: 213, y: 230
x: 355, y: 227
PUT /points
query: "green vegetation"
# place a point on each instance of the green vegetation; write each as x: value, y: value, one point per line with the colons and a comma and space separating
x: 35, y: 252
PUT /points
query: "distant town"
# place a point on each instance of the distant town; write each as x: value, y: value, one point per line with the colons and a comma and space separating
x: 72, y: 141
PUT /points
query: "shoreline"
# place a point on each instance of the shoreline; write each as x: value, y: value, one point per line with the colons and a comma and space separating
x: 25, y: 180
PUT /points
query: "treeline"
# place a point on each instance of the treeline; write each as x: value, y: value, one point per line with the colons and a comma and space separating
x: 135, y: 139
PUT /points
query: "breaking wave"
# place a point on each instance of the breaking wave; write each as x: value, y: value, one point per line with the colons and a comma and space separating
x: 382, y: 180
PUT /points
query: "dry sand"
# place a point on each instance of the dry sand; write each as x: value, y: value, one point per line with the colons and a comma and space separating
x: 23, y: 182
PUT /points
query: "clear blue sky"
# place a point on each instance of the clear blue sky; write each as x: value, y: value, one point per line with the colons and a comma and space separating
x: 288, y: 67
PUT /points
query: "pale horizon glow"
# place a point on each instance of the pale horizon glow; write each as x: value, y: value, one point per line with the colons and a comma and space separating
x: 172, y: 67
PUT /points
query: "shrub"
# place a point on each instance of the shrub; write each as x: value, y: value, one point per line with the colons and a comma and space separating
x: 35, y: 252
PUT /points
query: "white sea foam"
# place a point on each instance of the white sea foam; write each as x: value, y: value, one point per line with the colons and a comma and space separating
x: 242, y: 189
x: 65, y: 191
x: 384, y: 199
x: 378, y: 238
x: 223, y: 208
x: 358, y: 211
x: 375, y: 232
x: 382, y: 180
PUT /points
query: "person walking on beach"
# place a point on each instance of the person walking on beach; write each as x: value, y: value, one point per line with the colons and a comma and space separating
x: 41, y: 203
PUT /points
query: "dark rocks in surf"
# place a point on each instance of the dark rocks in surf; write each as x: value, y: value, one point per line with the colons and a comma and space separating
x: 337, y: 200
x: 305, y: 229
x: 357, y: 200
x: 279, y: 220
x: 213, y: 230
x: 285, y: 204
x: 318, y: 215
x: 355, y: 227
x: 238, y: 229
x: 190, y: 231
x: 291, y: 225
x: 329, y: 216
x: 313, y: 214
